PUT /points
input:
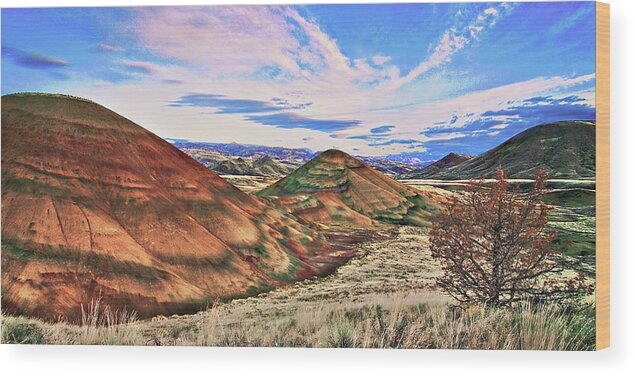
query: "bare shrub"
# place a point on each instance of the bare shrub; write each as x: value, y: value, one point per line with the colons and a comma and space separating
x: 495, y: 247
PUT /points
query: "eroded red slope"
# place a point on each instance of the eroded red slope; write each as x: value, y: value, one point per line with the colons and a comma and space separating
x: 94, y: 205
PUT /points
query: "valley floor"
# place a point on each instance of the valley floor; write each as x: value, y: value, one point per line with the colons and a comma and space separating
x: 389, y: 272
x: 383, y: 297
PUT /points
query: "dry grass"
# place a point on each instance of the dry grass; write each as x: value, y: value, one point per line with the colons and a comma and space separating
x: 100, y: 325
x: 435, y: 325
x: 419, y: 326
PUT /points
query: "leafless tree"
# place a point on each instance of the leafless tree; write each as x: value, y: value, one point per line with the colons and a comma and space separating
x: 495, y: 247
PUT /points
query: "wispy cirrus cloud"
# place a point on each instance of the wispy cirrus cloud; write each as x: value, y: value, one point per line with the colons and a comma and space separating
x: 105, y: 47
x: 571, y: 21
x: 140, y: 67
x: 454, y: 40
x: 221, y: 38
x: 545, y: 112
x: 32, y: 59
x: 366, y: 137
x: 286, y: 50
x: 380, y: 59
x: 477, y: 132
x: 275, y: 41
x: 382, y: 129
x: 227, y: 105
x: 551, y: 100
x: 482, y: 119
x: 475, y: 124
x: 398, y: 142
x: 289, y: 121
x: 172, y: 82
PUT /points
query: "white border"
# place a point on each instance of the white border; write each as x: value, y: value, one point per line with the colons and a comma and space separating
x: 186, y: 361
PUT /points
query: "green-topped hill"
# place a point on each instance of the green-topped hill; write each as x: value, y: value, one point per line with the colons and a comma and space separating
x: 565, y: 149
x: 334, y: 187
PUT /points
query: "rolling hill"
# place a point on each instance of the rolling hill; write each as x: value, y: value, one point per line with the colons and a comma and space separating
x: 565, y: 149
x: 335, y: 188
x: 263, y: 166
x: 236, y: 166
x: 266, y: 166
x: 442, y: 164
x: 387, y: 166
x: 96, y: 207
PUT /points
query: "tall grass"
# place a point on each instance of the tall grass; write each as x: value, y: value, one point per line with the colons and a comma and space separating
x: 96, y: 315
x: 419, y: 326
x: 522, y: 327
x: 101, y: 325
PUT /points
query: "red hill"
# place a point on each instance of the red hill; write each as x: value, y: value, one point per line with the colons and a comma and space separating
x: 94, y: 205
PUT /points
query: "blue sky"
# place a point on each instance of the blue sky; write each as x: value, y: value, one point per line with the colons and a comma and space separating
x: 415, y: 80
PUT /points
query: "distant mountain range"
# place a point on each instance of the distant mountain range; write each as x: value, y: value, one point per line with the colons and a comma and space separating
x: 224, y: 158
x: 263, y: 166
x: 335, y: 187
x: 566, y: 150
x: 388, y: 166
x: 245, y: 150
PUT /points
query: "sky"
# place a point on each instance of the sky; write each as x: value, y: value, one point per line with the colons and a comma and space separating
x: 410, y: 81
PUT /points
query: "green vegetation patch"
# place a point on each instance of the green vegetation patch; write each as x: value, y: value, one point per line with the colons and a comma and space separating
x: 571, y: 198
x: 31, y: 187
x: 26, y: 251
x: 290, y: 275
x: 19, y: 330
x: 43, y: 252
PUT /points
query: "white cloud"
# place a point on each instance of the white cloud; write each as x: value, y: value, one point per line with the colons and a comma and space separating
x: 424, y: 116
x: 451, y: 42
x: 491, y: 11
x: 222, y: 50
x: 380, y: 59
x: 140, y: 66
x: 500, y: 126
x: 147, y: 103
x: 108, y: 48
x: 222, y: 39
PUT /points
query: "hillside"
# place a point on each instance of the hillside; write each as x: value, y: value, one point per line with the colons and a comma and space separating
x: 442, y: 164
x: 565, y: 149
x: 263, y: 166
x: 387, y: 166
x: 337, y: 188
x: 95, y: 206
x: 237, y: 166
x: 266, y: 166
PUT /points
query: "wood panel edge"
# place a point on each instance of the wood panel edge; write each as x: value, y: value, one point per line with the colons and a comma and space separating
x: 602, y: 100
